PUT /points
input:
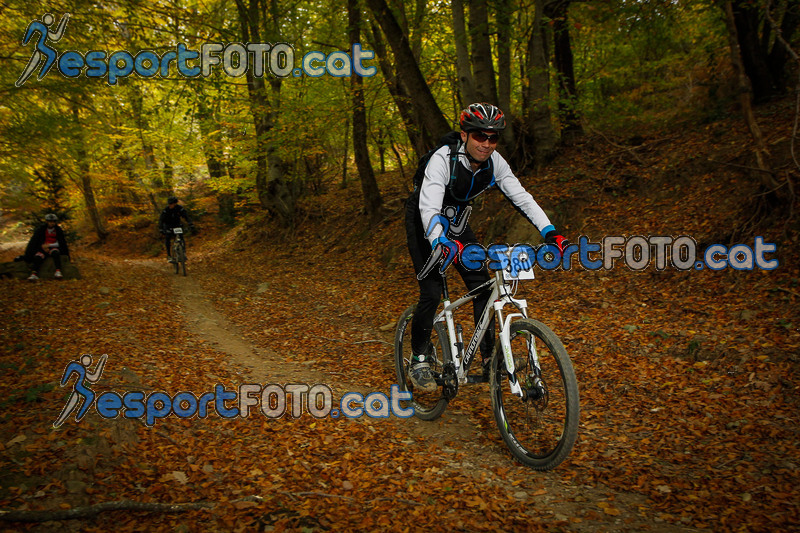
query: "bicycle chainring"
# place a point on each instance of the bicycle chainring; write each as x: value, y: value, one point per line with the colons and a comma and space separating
x: 450, y: 381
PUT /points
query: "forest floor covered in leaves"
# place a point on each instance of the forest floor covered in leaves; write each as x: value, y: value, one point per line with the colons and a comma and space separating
x: 689, y: 380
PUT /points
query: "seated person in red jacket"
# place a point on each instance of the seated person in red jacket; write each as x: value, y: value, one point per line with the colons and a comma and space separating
x: 47, y: 240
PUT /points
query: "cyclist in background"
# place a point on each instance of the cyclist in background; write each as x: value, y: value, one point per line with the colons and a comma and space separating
x: 171, y: 218
x: 478, y: 168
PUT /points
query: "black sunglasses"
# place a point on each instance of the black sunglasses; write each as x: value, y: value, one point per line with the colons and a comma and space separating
x: 480, y: 137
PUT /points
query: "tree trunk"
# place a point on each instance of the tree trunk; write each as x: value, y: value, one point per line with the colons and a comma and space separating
x: 167, y: 171
x: 539, y: 123
x: 369, y: 186
x: 415, y: 29
x: 397, y: 156
x: 249, y: 17
x: 227, y: 200
x: 779, y: 55
x: 156, y: 189
x: 282, y: 193
x: 273, y: 193
x: 130, y: 189
x: 562, y: 54
x: 381, y: 142
x: 408, y: 69
x: 747, y: 18
x: 210, y: 151
x: 463, y: 68
x: 400, y: 95
x: 509, y: 142
x: 86, y: 180
x: 346, y: 150
x: 209, y: 132
x: 767, y: 177
x: 485, y: 86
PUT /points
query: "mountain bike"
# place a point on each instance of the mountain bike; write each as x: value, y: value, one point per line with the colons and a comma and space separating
x: 532, y: 384
x: 179, y: 250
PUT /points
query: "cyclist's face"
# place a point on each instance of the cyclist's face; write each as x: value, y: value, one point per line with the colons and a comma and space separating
x: 480, y: 150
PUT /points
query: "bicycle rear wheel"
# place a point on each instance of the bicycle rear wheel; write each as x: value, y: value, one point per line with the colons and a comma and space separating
x: 427, y: 405
x: 540, y: 428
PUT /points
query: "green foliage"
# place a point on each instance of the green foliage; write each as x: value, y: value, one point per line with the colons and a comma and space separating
x: 638, y: 63
x: 644, y: 63
x: 47, y: 186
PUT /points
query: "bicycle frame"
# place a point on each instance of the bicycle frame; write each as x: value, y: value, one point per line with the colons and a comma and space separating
x: 500, y: 297
x: 178, y: 238
x: 536, y: 406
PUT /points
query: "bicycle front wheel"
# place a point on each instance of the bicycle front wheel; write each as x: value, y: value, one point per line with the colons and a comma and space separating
x: 427, y: 405
x: 180, y: 258
x: 539, y: 428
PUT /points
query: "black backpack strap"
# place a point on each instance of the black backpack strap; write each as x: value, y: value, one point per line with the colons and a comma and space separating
x: 453, y: 161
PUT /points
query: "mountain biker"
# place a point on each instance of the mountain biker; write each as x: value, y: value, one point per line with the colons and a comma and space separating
x: 47, y: 240
x: 171, y: 218
x: 477, y: 169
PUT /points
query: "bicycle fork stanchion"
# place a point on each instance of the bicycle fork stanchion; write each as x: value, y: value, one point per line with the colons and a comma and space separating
x: 505, y: 332
x: 505, y: 344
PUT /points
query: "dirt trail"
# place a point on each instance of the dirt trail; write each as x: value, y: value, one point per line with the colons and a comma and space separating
x: 16, y: 245
x: 454, y: 432
x: 263, y: 365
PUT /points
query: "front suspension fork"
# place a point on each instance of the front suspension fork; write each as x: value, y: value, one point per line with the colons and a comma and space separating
x: 505, y: 346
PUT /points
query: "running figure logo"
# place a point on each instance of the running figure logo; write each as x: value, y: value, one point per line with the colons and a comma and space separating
x: 451, y: 222
x: 80, y: 368
x: 43, y: 52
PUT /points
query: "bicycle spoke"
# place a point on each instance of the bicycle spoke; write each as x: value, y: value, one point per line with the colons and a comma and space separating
x: 427, y: 405
x: 540, y: 426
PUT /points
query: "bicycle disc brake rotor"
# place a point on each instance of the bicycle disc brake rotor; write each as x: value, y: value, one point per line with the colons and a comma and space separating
x: 536, y: 392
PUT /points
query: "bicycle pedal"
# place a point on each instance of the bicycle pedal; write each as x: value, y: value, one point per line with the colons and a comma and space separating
x: 477, y: 378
